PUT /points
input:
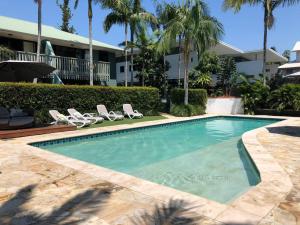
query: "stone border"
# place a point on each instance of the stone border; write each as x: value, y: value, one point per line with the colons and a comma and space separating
x: 250, y: 207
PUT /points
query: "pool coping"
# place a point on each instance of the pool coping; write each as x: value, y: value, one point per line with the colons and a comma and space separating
x: 250, y: 207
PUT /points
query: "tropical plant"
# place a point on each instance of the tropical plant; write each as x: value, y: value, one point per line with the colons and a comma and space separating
x: 90, y: 17
x: 287, y: 54
x: 120, y: 14
x: 254, y: 94
x: 130, y: 14
x: 201, y: 75
x: 198, y: 30
x: 227, y: 74
x: 285, y: 98
x: 151, y: 66
x: 39, y: 3
x: 166, y: 12
x: 66, y: 16
x: 269, y: 7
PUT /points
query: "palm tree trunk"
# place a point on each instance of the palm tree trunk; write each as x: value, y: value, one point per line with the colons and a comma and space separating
x: 39, y: 31
x: 186, y: 85
x: 265, y: 44
x: 126, y: 55
x: 90, y: 15
x: 131, y: 56
x: 179, y: 62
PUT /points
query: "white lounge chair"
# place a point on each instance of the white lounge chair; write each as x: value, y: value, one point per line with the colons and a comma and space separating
x: 60, y: 118
x: 112, y: 116
x: 93, y: 118
x: 128, y: 111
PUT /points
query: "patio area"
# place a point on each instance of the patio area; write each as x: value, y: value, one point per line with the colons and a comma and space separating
x: 35, y: 190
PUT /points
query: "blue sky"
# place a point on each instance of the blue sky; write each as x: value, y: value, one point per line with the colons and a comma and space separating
x: 243, y: 30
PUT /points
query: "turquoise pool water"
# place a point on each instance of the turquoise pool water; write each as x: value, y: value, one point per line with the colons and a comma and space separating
x: 204, y: 157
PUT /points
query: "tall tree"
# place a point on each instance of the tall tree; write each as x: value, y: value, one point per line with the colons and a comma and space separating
x: 166, y: 12
x: 130, y: 14
x: 39, y: 3
x: 90, y: 17
x: 268, y: 6
x: 120, y: 14
x: 66, y: 16
x: 199, y: 31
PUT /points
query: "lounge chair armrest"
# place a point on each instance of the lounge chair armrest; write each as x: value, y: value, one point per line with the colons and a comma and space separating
x: 135, y: 111
x: 112, y: 113
x: 71, y: 118
x: 90, y: 114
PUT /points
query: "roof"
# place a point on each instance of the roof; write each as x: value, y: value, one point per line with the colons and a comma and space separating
x: 296, y: 47
x: 26, y: 29
x: 223, y: 48
x: 290, y: 65
x: 293, y: 74
x: 272, y: 56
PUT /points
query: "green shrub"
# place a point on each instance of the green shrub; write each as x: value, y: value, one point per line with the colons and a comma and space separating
x: 43, y: 97
x: 287, y: 97
x: 187, y: 110
x: 254, y: 95
x: 196, y: 96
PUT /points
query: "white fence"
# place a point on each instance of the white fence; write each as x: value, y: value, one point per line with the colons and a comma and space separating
x: 226, y: 106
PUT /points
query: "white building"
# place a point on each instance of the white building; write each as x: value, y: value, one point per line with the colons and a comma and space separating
x: 248, y: 62
x: 292, y: 69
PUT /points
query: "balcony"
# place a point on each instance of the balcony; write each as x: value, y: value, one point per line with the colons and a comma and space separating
x: 66, y: 68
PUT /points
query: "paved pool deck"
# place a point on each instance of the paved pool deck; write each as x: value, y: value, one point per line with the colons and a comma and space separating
x: 40, y: 187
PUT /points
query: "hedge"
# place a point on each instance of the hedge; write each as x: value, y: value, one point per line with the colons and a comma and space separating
x: 287, y: 97
x: 196, y: 106
x: 196, y: 96
x: 43, y: 97
x: 187, y: 110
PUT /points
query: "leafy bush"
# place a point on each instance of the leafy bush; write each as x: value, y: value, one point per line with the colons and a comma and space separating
x: 196, y: 97
x: 187, y: 110
x: 254, y: 95
x: 43, y: 97
x: 287, y: 97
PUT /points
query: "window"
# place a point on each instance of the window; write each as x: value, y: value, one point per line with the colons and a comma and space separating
x: 192, y: 59
x: 267, y: 70
x: 122, y: 69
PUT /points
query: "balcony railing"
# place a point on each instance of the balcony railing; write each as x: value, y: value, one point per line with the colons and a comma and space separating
x: 66, y: 67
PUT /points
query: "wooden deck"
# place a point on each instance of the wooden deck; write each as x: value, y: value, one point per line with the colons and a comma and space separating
x: 7, y: 134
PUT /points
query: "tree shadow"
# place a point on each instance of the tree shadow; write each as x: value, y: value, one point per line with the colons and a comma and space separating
x: 174, y: 212
x: 285, y: 130
x: 76, y: 210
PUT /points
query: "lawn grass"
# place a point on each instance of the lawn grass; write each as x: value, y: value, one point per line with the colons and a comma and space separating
x: 107, y: 123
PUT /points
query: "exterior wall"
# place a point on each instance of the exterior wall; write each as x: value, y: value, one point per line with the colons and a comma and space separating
x: 121, y: 75
x: 226, y: 106
x: 250, y: 67
x: 298, y: 56
x: 255, y: 68
x: 112, y: 60
x: 173, y: 60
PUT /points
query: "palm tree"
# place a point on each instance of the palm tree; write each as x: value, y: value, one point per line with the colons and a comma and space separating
x: 199, y: 31
x: 269, y: 6
x: 90, y: 16
x: 120, y: 15
x: 130, y: 14
x: 166, y: 12
x: 39, y: 2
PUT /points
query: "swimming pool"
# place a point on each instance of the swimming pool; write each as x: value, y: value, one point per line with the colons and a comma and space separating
x: 204, y: 157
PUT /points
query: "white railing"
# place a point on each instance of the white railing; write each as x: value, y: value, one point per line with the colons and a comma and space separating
x: 66, y: 67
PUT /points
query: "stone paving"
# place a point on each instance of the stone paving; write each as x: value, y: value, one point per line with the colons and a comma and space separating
x: 35, y: 189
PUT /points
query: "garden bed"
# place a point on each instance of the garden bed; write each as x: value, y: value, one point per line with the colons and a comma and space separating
x: 273, y: 112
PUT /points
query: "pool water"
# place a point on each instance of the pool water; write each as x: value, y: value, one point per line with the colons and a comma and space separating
x: 204, y: 157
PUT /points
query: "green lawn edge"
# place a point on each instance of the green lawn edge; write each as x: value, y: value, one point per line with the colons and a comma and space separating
x: 108, y: 123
